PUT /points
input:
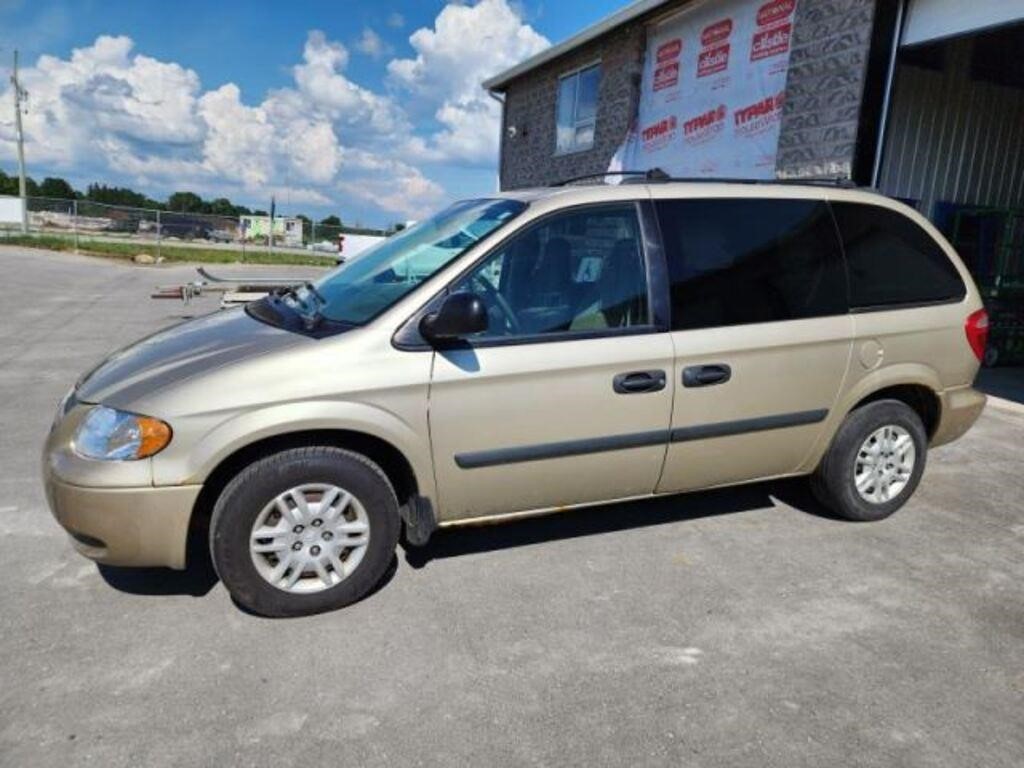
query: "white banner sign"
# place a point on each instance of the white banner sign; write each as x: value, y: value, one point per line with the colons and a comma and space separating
x: 10, y: 210
x: 713, y: 86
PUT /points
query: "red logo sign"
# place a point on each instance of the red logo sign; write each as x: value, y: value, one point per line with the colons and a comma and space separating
x: 666, y: 76
x: 771, y: 42
x: 714, y: 55
x: 774, y: 11
x: 759, y: 115
x: 716, y: 33
x: 705, y: 125
x: 712, y: 60
x: 659, y: 133
x: 669, y: 51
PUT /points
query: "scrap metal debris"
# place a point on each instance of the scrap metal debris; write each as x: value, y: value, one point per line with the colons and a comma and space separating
x: 232, y: 290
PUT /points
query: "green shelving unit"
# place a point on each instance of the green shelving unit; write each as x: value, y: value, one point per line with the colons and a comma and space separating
x: 991, y: 243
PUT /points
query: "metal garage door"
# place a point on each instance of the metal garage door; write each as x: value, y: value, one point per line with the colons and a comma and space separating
x: 934, y: 19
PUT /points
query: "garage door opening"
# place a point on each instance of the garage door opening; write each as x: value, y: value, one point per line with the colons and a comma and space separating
x: 954, y: 150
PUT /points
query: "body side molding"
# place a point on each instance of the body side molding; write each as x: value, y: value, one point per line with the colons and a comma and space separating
x: 520, y: 453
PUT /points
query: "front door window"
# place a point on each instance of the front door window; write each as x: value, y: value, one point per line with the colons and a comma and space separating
x: 575, y: 272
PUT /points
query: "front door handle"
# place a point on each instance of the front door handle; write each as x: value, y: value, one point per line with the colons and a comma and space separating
x: 636, y: 382
x: 706, y: 375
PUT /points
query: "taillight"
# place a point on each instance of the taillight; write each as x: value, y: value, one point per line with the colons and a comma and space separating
x: 976, y: 328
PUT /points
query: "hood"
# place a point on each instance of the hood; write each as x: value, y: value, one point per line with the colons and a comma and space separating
x: 181, y: 352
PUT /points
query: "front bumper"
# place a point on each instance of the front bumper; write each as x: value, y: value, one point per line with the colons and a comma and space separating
x: 111, y: 510
x: 125, y: 526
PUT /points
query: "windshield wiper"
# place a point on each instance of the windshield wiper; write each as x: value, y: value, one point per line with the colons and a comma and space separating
x: 313, y: 316
x: 315, y: 292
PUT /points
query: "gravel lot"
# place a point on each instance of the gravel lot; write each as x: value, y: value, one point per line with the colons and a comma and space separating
x: 730, y: 628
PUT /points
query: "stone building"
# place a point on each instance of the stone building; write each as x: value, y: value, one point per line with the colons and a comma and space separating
x: 862, y: 75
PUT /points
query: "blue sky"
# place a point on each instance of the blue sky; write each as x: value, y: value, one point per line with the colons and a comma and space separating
x: 367, y: 109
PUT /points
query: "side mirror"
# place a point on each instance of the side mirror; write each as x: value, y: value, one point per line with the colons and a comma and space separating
x: 461, y: 314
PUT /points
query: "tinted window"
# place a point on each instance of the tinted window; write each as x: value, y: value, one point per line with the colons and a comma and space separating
x: 582, y: 270
x: 892, y: 260
x: 736, y: 261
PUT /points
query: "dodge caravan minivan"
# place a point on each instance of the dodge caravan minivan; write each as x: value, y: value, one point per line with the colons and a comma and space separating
x: 520, y: 354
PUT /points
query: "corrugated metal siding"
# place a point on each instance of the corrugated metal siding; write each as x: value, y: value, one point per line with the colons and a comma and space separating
x: 954, y: 139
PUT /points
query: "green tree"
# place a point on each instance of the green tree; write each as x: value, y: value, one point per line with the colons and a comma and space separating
x: 56, y: 187
x: 330, y: 221
x: 185, y: 202
x: 221, y: 206
x: 101, y: 193
x: 8, y: 184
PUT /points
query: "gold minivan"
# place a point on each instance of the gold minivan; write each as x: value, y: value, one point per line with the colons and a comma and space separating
x: 521, y: 354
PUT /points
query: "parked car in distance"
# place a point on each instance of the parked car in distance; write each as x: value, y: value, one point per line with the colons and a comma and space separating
x: 222, y: 235
x: 185, y: 227
x: 572, y: 346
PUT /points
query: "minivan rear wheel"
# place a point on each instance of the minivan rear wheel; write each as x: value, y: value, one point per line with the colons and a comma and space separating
x: 304, y: 530
x: 874, y: 463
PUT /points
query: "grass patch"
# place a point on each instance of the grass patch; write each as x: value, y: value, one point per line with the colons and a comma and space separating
x: 114, y: 250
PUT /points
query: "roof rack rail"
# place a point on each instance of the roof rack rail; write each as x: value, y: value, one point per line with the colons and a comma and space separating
x: 652, y: 174
x: 816, y: 181
x: 657, y: 176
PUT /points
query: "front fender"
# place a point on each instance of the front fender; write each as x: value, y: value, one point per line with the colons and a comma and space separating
x: 210, y: 444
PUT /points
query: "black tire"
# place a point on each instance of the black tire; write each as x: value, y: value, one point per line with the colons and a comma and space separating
x: 833, y: 481
x: 255, y: 486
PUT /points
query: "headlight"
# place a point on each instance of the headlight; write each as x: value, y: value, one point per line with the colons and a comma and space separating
x: 112, y: 435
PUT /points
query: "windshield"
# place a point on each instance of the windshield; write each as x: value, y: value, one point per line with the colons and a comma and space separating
x: 377, y: 278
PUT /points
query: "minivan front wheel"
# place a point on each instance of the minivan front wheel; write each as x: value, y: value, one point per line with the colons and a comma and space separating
x: 304, y: 530
x: 875, y: 462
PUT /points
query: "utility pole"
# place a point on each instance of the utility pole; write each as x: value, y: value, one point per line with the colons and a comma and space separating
x: 20, y: 94
x: 270, y: 232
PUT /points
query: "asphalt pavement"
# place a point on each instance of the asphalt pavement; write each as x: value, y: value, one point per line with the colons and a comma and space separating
x: 729, y: 628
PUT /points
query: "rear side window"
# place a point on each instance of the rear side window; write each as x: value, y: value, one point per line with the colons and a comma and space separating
x: 892, y: 260
x: 739, y: 261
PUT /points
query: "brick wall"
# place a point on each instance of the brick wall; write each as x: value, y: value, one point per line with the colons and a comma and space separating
x: 528, y: 158
x: 824, y: 88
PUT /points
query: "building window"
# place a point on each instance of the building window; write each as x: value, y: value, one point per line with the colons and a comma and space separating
x: 577, y: 110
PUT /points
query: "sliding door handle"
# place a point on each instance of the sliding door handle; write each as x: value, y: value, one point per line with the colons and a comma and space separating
x: 636, y: 382
x: 706, y: 375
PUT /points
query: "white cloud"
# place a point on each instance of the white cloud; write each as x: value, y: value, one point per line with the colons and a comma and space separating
x: 372, y: 44
x: 396, y: 20
x: 113, y: 114
x: 103, y: 92
x: 321, y: 81
x: 467, y: 45
x: 240, y: 139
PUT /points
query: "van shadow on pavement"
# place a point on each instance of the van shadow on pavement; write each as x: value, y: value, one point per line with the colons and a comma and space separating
x: 596, y: 520
x: 196, y: 581
x: 200, y: 577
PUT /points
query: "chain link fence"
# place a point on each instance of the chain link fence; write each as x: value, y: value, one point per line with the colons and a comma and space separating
x: 85, y: 222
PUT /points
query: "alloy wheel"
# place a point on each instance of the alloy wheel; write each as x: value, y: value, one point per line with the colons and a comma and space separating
x: 884, y: 464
